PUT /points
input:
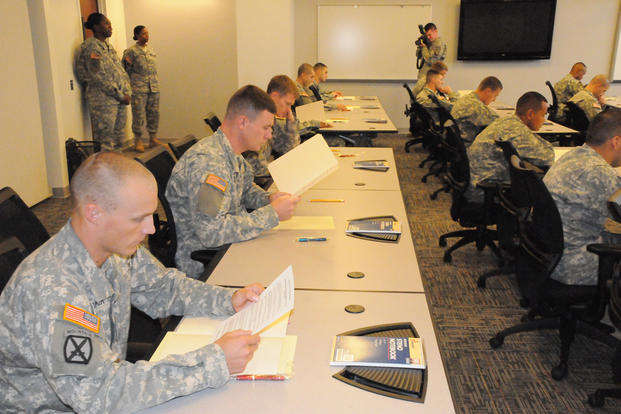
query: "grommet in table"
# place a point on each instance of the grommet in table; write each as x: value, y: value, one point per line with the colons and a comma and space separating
x: 355, y: 275
x: 354, y: 308
x: 360, y: 184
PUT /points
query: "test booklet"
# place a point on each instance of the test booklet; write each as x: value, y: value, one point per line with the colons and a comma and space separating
x: 375, y: 165
x: 377, y: 351
x: 310, y: 112
x: 373, y: 225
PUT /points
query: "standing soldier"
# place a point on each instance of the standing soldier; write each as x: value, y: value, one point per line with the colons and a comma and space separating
x: 432, y: 50
x: 107, y: 84
x: 139, y: 62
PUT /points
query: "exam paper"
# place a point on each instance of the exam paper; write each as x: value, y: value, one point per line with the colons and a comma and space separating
x: 275, y: 301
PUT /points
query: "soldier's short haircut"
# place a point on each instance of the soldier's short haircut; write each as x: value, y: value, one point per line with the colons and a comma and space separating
x: 439, y: 66
x: 604, y: 126
x: 490, y: 82
x: 137, y: 31
x: 99, y: 178
x: 576, y: 65
x: 93, y: 20
x: 530, y: 100
x: 318, y: 66
x: 599, y: 80
x: 430, y: 26
x: 249, y: 100
x: 431, y: 74
x: 283, y: 85
x: 305, y: 68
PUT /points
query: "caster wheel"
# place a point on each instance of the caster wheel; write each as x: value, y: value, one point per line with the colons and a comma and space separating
x: 433, y: 196
x: 558, y: 373
x: 447, y: 258
x: 481, y: 282
x: 596, y: 399
x: 497, y: 341
x: 423, y: 180
x: 442, y: 242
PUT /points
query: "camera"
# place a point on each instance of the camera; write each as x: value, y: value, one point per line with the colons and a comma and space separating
x: 422, y: 39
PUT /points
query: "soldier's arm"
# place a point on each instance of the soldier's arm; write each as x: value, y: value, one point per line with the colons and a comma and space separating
x: 535, y: 149
x: 100, y: 76
x: 128, y: 60
x: 254, y: 197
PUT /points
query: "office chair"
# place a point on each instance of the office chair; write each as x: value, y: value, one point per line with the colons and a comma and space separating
x: 181, y: 145
x: 12, y: 252
x: 16, y: 219
x: 315, y: 92
x: 415, y: 122
x: 442, y: 152
x: 431, y: 135
x: 555, y: 305
x: 212, y: 120
x: 77, y: 152
x: 576, y: 118
x: 552, y: 109
x: 450, y: 153
x: 474, y: 216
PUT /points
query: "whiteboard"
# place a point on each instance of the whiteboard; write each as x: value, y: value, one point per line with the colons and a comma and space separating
x: 370, y: 41
x: 615, y: 70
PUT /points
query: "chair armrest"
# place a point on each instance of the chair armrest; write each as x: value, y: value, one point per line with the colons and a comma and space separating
x: 204, y: 256
x: 605, y: 249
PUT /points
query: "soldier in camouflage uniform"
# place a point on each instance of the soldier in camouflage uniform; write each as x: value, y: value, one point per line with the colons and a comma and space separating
x: 211, y: 187
x: 306, y: 77
x: 139, y: 62
x: 472, y: 112
x: 591, y: 98
x: 107, y: 84
x: 434, y: 83
x: 580, y: 183
x: 434, y: 52
x: 65, y: 313
x: 321, y: 75
x: 486, y: 160
x: 567, y: 87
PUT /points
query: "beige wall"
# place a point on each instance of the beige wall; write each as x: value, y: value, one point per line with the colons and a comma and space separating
x: 580, y: 33
x: 195, y: 42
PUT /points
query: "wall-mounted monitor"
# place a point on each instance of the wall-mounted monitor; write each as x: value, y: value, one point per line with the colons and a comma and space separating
x: 505, y: 29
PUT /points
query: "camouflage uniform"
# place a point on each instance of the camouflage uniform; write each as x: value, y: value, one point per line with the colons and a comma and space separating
x: 423, y: 99
x: 139, y: 62
x: 580, y: 183
x: 487, y: 163
x: 209, y: 191
x: 259, y: 160
x: 472, y: 116
x: 325, y: 93
x: 565, y: 89
x: 306, y: 96
x: 64, y: 324
x: 589, y: 104
x: 435, y: 52
x: 100, y: 69
x: 419, y: 86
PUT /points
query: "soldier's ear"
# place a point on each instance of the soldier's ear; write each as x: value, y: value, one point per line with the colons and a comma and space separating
x: 92, y: 213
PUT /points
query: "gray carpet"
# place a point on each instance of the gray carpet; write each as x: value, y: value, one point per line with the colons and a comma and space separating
x: 513, y: 379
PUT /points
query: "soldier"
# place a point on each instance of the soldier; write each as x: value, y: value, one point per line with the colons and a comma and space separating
x: 211, y: 187
x: 472, y: 112
x: 64, y: 315
x: 107, y: 84
x: 306, y: 77
x: 567, y: 87
x: 432, y: 87
x: 486, y: 160
x: 139, y: 62
x: 321, y: 75
x: 432, y: 51
x: 446, y: 90
x: 591, y: 99
x: 580, y: 183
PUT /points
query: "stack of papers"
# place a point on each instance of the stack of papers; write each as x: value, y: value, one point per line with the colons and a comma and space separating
x: 375, y: 165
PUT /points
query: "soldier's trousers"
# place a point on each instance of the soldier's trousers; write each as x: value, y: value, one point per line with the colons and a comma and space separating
x: 108, y: 125
x: 145, y: 109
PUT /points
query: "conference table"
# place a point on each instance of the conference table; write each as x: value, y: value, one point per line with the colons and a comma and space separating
x: 365, y: 114
x: 548, y: 127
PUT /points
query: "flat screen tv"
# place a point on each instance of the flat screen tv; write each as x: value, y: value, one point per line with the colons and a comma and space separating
x: 505, y: 29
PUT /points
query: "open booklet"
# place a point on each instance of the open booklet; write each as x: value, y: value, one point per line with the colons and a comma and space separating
x: 303, y: 166
x: 269, y: 317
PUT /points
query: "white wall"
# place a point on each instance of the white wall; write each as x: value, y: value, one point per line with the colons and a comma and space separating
x: 195, y: 42
x: 264, y: 40
x: 22, y: 158
x: 581, y: 32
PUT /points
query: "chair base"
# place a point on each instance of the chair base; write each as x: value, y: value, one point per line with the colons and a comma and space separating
x: 412, y: 142
x: 481, y: 236
x: 508, y: 269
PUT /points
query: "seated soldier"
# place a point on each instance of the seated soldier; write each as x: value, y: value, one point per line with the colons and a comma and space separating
x: 591, y: 99
x: 472, y: 113
x: 211, y: 187
x: 64, y: 315
x: 432, y: 87
x: 580, y: 183
x: 567, y: 87
x: 487, y: 162
x: 321, y: 75
x: 306, y: 77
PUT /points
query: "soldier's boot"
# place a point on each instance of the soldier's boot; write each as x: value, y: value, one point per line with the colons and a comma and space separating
x: 139, y: 147
x: 154, y: 141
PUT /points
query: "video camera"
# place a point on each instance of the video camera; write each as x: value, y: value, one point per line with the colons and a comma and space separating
x: 422, y: 39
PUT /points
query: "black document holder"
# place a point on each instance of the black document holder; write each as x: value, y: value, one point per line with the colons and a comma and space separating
x: 402, y: 383
x: 382, y: 237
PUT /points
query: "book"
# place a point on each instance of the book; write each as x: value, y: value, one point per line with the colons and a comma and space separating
x: 384, y: 225
x: 303, y: 166
x: 377, y: 351
x: 310, y: 112
x: 375, y: 165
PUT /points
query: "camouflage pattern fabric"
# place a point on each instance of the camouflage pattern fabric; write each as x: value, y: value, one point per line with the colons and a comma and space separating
x: 108, y: 123
x: 306, y: 95
x: 472, y: 116
x: 423, y: 99
x: 580, y: 183
x: 210, y: 191
x: 64, y: 324
x: 589, y: 104
x: 145, y: 111
x: 435, y: 52
x: 285, y: 137
x: 565, y: 89
x: 139, y: 62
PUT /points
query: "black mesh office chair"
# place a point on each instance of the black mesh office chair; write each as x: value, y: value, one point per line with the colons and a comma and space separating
x: 12, y: 252
x: 16, y: 219
x: 415, y: 121
x: 181, y: 145
x: 212, y: 120
x: 576, y: 118
x: 552, y: 109
x: 554, y: 305
x: 77, y: 152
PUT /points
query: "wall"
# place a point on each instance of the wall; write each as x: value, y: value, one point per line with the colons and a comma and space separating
x: 580, y: 33
x: 195, y: 42
x: 22, y: 158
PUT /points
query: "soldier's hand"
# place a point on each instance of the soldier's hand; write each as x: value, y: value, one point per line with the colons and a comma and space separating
x: 324, y: 125
x: 341, y: 107
x: 238, y: 347
x: 336, y: 94
x: 277, y: 194
x: 246, y: 295
x: 284, y: 206
x: 125, y: 100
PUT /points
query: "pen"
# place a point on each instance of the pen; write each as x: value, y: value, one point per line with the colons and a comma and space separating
x: 261, y: 377
x: 311, y: 239
x: 327, y: 200
x: 347, y: 155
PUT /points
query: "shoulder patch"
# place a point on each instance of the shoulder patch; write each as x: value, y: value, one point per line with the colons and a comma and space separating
x: 78, y: 349
x: 216, y: 181
x: 81, y: 317
x: 95, y: 56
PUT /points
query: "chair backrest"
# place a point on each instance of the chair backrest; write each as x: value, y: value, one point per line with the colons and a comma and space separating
x: 444, y: 115
x: 77, y: 152
x: 12, y: 252
x: 16, y: 219
x: 427, y: 123
x: 159, y: 161
x: 552, y: 109
x: 316, y: 93
x: 181, y: 145
x: 576, y: 117
x: 614, y: 205
x: 614, y: 309
x: 410, y: 93
x: 212, y: 120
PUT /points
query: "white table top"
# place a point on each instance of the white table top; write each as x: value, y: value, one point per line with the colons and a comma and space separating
x: 358, y: 116
x: 549, y: 127
x: 316, y: 319
x: 324, y: 265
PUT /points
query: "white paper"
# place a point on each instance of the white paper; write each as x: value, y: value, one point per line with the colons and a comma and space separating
x: 310, y: 112
x: 274, y: 302
x: 203, y: 325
